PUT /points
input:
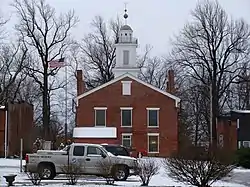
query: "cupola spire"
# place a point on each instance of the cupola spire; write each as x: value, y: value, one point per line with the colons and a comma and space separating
x: 125, y: 13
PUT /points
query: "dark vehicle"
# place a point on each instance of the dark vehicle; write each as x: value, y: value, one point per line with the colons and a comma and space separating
x: 116, y: 149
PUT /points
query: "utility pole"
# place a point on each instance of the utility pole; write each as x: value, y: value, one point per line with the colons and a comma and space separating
x: 66, y: 105
x: 211, y: 114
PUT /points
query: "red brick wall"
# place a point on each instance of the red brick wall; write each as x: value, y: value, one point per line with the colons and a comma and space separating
x: 141, y: 98
x: 229, y: 130
x: 96, y: 140
x: 20, y: 125
x: 2, y: 131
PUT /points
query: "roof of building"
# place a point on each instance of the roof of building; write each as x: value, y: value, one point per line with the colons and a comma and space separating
x: 126, y: 27
x: 242, y: 111
x: 177, y: 100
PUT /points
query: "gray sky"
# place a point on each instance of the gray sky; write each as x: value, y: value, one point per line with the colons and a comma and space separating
x: 153, y: 21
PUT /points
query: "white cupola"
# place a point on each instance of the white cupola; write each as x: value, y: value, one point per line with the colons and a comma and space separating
x: 126, y: 46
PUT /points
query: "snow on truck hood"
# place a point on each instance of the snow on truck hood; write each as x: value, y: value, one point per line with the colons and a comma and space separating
x: 124, y: 157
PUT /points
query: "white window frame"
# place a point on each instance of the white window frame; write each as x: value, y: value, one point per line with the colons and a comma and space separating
x: 101, y: 108
x: 130, y: 138
x: 127, y: 108
x: 158, y: 117
x: 246, y: 142
x: 239, y: 144
x: 238, y: 123
x: 126, y: 87
x: 158, y: 139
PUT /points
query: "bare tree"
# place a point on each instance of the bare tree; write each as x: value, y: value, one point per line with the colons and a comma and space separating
x: 212, y: 50
x: 12, y: 61
x: 99, y: 51
x: 47, y: 36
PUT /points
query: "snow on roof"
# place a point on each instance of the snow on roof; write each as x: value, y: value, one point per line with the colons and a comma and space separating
x: 94, y: 132
x: 242, y: 111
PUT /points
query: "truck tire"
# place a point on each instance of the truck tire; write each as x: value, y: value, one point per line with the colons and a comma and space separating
x: 46, y: 171
x: 120, y: 173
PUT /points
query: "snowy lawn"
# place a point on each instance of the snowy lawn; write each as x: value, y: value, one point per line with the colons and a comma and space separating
x: 11, y: 166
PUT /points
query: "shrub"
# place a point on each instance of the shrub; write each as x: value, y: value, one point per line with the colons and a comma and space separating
x: 243, y: 157
x: 34, y: 177
x: 146, y: 169
x: 105, y: 169
x: 73, y: 172
x: 198, y: 167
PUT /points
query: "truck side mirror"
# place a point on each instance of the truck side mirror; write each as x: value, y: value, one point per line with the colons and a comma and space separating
x: 103, y: 155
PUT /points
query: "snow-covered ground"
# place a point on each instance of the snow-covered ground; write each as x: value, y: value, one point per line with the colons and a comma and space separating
x: 11, y: 166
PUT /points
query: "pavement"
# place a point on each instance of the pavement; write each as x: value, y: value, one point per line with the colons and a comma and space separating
x: 239, y: 177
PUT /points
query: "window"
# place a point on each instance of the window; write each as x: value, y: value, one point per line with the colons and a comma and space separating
x: 125, y: 57
x: 93, y: 151
x: 153, y: 117
x: 100, y: 116
x: 126, y: 140
x: 221, y: 140
x: 126, y: 117
x: 246, y: 144
x: 78, y: 151
x: 153, y: 143
x: 126, y: 87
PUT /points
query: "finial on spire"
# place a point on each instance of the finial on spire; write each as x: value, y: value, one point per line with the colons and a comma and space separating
x: 125, y: 14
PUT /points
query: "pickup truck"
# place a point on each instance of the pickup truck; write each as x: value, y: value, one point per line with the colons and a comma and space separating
x: 49, y: 163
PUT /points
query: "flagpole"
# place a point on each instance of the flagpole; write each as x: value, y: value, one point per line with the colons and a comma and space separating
x: 66, y: 105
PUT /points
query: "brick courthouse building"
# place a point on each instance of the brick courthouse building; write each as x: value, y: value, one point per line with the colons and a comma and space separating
x: 127, y: 110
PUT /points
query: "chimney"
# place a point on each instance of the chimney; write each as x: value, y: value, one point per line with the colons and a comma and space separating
x: 80, y: 82
x: 170, y: 82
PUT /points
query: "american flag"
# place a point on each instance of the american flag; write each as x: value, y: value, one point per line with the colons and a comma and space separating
x: 57, y: 63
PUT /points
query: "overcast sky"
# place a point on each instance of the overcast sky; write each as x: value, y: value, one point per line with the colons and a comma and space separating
x: 153, y: 21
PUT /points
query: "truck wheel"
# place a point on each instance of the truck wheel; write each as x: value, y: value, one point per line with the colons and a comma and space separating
x: 46, y: 171
x: 120, y: 173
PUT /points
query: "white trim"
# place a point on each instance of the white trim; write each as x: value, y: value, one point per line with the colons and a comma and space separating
x: 158, y: 118
x: 126, y: 82
x: 100, y: 108
x: 127, y: 134
x: 127, y: 108
x: 238, y: 123
x: 130, y: 138
x: 158, y: 139
x: 153, y: 134
x: 177, y: 100
x: 153, y: 108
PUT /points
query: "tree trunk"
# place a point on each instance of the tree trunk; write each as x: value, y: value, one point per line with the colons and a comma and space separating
x: 45, y: 105
x: 215, y: 107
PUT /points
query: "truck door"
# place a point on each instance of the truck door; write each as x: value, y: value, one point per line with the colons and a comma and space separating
x: 95, y: 160
x: 78, y: 157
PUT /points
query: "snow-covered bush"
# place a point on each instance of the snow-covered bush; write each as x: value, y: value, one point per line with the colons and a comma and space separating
x: 146, y: 168
x: 73, y: 172
x: 199, y: 167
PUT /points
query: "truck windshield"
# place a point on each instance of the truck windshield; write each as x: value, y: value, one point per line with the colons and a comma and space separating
x: 66, y: 148
x: 117, y: 150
